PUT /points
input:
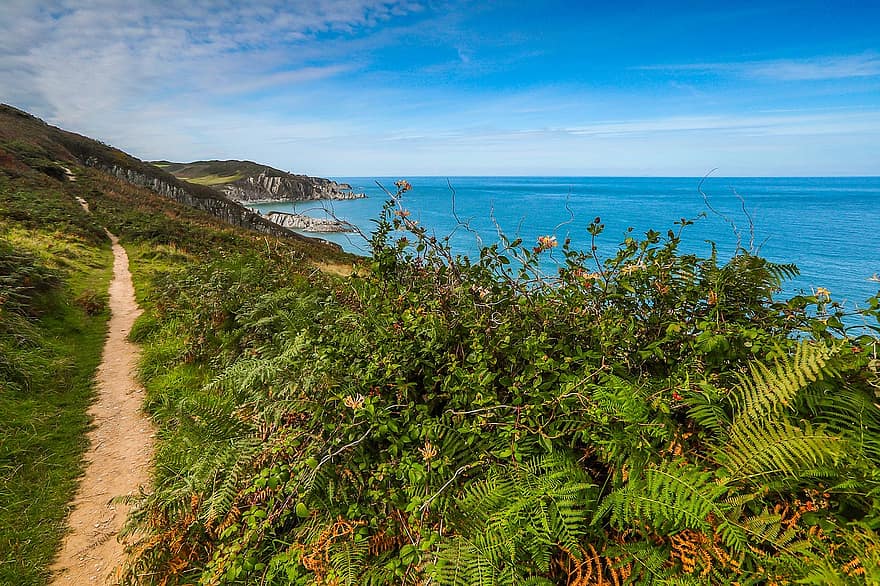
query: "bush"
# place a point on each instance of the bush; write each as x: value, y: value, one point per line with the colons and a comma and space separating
x: 649, y: 417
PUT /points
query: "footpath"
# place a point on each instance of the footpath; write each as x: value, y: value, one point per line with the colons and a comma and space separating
x: 121, y: 447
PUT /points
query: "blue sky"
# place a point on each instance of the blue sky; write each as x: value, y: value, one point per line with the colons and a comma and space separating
x: 410, y: 87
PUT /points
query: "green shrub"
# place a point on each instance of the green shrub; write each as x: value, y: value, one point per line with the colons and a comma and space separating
x: 652, y: 417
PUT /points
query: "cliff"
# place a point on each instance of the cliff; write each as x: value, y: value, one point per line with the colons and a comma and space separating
x: 26, y: 142
x: 219, y: 207
x: 308, y: 223
x: 246, y: 181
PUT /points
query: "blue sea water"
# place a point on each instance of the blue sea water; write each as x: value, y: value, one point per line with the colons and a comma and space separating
x: 828, y: 227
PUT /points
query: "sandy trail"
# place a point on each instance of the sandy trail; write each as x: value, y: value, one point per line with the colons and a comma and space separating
x: 121, y: 447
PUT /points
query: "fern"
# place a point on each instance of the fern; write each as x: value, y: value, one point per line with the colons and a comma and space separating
x: 462, y: 562
x: 767, y: 391
x: 861, y: 565
x: 511, y: 523
x: 775, y: 449
x: 851, y: 413
x: 649, y: 562
x: 706, y: 408
x: 670, y: 497
x: 762, y: 443
x: 349, y: 561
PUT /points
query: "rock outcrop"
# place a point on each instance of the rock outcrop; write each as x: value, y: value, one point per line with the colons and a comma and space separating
x: 308, y: 223
x: 249, y: 182
x: 216, y: 205
x: 266, y: 187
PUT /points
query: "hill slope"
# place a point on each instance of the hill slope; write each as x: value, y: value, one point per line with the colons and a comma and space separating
x: 55, y: 265
x: 27, y: 142
x: 252, y: 182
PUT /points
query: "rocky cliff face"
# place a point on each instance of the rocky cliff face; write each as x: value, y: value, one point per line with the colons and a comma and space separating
x: 308, y: 223
x: 268, y: 187
x: 217, y: 206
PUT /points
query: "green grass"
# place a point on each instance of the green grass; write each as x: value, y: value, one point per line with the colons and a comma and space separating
x: 43, y: 426
x: 213, y: 179
x: 54, y: 274
x: 147, y: 261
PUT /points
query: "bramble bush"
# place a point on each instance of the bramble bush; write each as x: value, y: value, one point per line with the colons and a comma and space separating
x: 647, y: 416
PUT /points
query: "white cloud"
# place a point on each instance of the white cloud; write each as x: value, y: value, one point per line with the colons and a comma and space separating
x: 807, y: 69
x: 84, y: 61
x: 867, y: 122
x: 867, y: 65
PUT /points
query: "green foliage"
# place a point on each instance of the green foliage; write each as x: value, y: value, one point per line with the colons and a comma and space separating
x: 50, y: 347
x: 670, y: 497
x: 508, y: 525
x: 646, y: 416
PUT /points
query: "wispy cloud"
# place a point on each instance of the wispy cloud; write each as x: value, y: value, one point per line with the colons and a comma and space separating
x: 799, y: 124
x: 807, y: 69
x: 79, y: 60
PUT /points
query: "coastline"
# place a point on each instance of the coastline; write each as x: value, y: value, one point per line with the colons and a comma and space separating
x: 310, y: 224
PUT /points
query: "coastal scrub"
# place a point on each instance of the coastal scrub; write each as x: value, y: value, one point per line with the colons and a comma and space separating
x: 643, y: 415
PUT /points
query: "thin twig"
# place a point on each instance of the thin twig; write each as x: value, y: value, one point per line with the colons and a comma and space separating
x: 716, y: 212
x: 742, y: 203
x: 447, y: 483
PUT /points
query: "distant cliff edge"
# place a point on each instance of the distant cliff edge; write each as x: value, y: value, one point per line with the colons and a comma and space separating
x: 308, y: 223
x: 249, y: 182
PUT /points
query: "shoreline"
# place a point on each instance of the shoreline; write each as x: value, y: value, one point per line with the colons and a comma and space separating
x: 246, y: 202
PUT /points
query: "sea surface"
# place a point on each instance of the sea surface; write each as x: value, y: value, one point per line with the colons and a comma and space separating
x: 828, y: 227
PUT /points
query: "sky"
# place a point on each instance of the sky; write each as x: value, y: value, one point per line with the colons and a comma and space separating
x: 443, y: 87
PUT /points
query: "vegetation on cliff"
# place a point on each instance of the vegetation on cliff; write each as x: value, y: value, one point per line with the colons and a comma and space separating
x: 655, y: 417
x: 55, y: 265
x: 246, y: 181
x: 643, y: 415
x: 29, y: 143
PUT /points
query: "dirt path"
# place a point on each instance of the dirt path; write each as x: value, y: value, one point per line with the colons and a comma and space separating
x: 121, y: 447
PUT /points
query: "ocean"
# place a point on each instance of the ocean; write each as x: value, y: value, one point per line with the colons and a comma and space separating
x: 828, y: 226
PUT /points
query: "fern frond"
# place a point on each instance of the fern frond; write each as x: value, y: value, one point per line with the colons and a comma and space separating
x: 511, y: 522
x: 460, y: 562
x: 851, y: 413
x: 762, y: 443
x: 706, y: 408
x: 670, y: 497
x: 766, y: 391
x: 349, y: 560
x: 758, y: 451
x: 781, y: 271
x: 649, y: 561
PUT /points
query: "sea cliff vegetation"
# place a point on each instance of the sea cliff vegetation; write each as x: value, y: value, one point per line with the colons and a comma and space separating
x: 245, y: 181
x: 55, y: 266
x: 641, y: 416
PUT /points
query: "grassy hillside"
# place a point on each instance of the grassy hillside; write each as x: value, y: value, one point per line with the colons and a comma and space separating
x: 197, y: 170
x: 55, y: 265
x: 248, y: 181
x: 219, y: 173
x: 27, y: 140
